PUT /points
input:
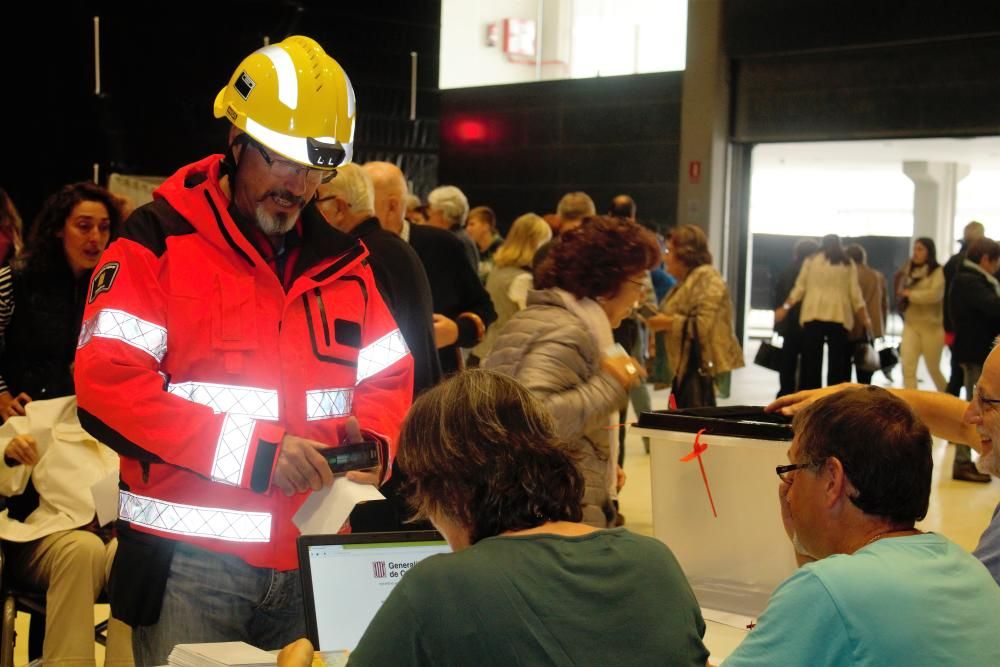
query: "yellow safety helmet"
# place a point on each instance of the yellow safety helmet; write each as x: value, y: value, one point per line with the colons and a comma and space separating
x: 295, y: 100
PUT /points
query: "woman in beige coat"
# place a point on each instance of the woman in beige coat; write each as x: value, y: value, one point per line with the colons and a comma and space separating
x: 922, y: 290
x: 702, y: 294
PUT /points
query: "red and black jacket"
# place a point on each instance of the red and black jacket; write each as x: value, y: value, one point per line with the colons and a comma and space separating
x: 194, y: 361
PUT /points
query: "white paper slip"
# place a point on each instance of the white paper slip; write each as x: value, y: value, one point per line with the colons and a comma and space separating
x: 221, y: 654
x: 326, y: 510
x: 105, y: 494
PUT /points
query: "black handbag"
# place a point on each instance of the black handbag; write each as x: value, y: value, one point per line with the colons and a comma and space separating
x: 768, y: 355
x: 695, y: 388
x: 888, y: 358
x: 865, y: 356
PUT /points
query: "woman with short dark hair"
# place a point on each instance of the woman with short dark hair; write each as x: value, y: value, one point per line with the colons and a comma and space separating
x: 562, y: 349
x: 528, y: 584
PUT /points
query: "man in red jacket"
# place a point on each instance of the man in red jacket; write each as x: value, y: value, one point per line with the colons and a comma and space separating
x: 230, y: 335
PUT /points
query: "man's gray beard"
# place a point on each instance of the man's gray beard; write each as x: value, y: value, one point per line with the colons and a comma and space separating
x: 990, y: 464
x: 277, y: 224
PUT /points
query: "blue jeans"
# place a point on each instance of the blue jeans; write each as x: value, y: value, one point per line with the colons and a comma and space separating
x: 214, y: 597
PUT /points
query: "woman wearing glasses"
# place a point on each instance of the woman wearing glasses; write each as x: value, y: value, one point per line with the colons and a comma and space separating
x: 561, y: 347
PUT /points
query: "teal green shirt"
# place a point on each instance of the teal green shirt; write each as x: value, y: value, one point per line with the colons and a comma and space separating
x: 607, y: 598
x: 918, y: 600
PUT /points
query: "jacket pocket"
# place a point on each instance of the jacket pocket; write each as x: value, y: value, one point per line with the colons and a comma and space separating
x: 234, y: 322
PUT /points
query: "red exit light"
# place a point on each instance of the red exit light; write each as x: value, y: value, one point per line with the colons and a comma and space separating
x: 471, y: 130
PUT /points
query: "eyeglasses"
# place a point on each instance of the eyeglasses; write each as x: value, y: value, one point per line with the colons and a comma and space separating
x: 785, y: 472
x: 983, y: 400
x: 320, y: 200
x: 286, y: 169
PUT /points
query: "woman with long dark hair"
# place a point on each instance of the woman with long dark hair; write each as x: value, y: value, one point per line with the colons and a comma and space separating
x: 828, y: 289
x: 48, y: 286
x: 921, y: 297
x: 52, y: 540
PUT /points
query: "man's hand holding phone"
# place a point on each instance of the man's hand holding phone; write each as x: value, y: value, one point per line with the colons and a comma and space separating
x: 303, y: 466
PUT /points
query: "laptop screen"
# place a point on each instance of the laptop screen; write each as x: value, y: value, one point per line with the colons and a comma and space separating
x: 346, y: 578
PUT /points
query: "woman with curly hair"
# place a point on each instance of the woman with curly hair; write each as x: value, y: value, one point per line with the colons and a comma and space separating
x: 527, y: 584
x: 48, y: 284
x: 561, y: 347
x: 697, y: 309
x: 52, y: 539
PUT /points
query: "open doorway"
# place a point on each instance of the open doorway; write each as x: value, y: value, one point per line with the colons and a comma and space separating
x: 858, y: 190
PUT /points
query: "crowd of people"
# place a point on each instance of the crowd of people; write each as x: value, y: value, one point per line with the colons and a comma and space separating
x: 830, y: 295
x: 279, y: 300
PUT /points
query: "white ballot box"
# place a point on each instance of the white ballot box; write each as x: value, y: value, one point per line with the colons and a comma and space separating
x: 736, y: 559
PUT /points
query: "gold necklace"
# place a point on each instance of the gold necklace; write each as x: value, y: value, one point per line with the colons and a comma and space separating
x: 879, y: 536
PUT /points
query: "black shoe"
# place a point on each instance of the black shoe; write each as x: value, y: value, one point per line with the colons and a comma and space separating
x: 966, y: 472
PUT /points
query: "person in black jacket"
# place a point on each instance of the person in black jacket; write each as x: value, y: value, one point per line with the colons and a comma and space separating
x: 972, y: 233
x: 48, y: 284
x: 975, y: 314
x: 789, y: 328
x: 348, y: 203
x: 462, y: 306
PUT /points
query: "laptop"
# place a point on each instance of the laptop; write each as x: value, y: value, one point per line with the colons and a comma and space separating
x: 346, y: 578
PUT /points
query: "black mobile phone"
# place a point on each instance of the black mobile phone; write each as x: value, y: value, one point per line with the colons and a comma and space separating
x: 354, y: 456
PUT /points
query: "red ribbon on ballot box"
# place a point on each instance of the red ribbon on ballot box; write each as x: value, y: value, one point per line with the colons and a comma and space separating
x: 699, y: 449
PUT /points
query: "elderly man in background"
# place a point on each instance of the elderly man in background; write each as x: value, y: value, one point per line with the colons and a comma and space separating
x: 448, y: 208
x: 348, y: 203
x: 872, y: 589
x: 572, y: 209
x: 462, y: 306
x: 876, y: 297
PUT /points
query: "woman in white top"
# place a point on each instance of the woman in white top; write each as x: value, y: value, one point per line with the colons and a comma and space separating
x: 922, y: 292
x: 827, y: 287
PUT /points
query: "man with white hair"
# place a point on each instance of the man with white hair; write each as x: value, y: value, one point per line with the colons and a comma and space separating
x: 449, y: 209
x: 348, y: 203
x: 462, y: 306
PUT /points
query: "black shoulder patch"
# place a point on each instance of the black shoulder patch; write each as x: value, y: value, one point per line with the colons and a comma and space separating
x: 152, y: 224
x: 103, y: 280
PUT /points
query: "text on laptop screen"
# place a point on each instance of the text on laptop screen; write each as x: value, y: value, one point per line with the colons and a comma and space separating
x: 351, y: 581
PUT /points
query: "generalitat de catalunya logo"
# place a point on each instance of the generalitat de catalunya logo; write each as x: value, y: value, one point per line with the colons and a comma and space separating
x: 378, y: 569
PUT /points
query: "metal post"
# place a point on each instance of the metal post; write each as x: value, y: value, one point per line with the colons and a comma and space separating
x: 413, y: 85
x: 539, y: 20
x: 97, y: 55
